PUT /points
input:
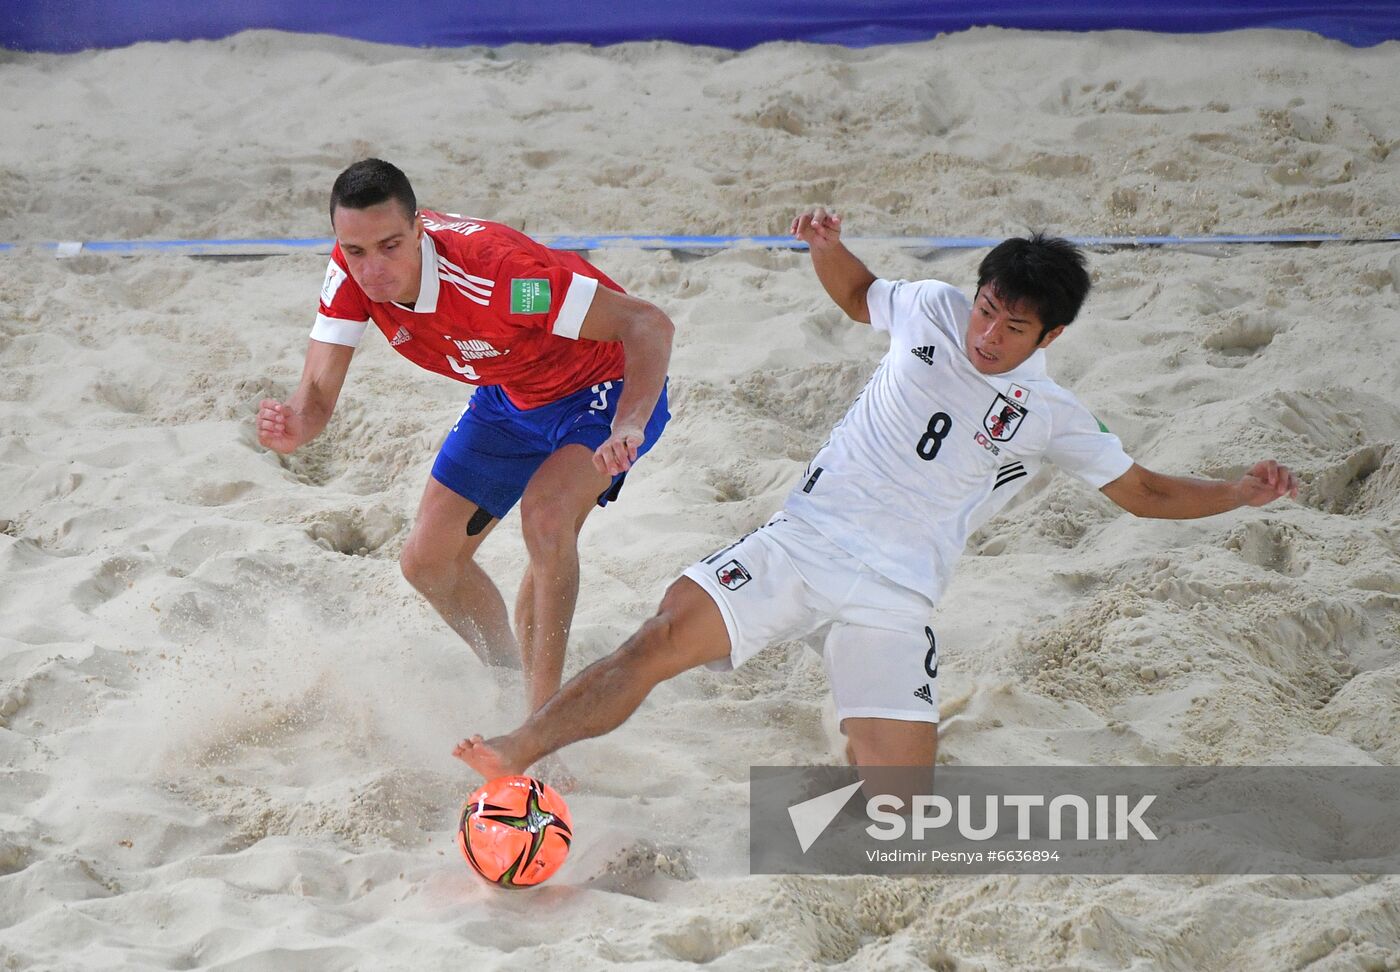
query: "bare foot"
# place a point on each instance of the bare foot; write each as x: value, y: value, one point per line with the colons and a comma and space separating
x: 487, y: 757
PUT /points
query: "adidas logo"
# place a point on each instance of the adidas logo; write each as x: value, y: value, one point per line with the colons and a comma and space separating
x: 400, y: 337
x: 924, y: 354
x: 922, y: 692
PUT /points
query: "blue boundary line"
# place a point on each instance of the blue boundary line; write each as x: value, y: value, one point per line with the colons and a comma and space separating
x: 271, y: 246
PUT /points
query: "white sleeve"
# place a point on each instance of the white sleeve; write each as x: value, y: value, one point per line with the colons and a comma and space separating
x: 898, y: 307
x: 887, y: 300
x: 1080, y: 444
x: 340, y: 306
x: 577, y: 299
x: 332, y: 330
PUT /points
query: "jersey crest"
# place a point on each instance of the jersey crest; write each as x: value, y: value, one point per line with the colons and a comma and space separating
x: 733, y: 575
x: 1003, y: 419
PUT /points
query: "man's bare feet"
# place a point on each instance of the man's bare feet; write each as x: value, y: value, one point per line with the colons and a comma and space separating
x: 487, y: 757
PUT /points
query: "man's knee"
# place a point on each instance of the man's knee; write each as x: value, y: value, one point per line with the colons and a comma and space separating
x: 685, y: 632
x: 549, y: 529
x: 423, y: 567
x: 414, y: 566
x: 651, y: 644
x: 890, y: 742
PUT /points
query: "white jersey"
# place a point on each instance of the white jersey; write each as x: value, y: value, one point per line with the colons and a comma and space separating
x: 932, y: 448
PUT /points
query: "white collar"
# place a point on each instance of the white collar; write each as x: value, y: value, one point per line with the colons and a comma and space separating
x: 428, y: 282
x: 1032, y: 368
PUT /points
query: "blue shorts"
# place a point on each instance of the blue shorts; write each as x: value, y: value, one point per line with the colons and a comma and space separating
x: 495, y: 448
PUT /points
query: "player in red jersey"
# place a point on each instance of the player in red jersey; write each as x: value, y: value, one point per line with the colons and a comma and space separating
x: 571, y: 376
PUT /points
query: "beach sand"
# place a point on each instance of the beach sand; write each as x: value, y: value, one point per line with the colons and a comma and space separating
x: 225, y: 718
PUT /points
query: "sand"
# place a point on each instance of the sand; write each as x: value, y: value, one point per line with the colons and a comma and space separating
x: 225, y: 718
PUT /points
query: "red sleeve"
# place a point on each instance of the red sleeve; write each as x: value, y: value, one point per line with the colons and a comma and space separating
x: 344, y: 308
x: 547, y: 297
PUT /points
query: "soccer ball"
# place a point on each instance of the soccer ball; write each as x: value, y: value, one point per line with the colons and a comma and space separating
x: 515, y: 831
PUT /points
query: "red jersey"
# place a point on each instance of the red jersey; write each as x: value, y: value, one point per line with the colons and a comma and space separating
x: 494, y: 308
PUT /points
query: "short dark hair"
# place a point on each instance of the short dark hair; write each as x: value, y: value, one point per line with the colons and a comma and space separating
x: 370, y: 182
x: 1046, y: 271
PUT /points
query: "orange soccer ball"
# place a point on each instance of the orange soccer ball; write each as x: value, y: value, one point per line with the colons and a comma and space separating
x: 515, y: 831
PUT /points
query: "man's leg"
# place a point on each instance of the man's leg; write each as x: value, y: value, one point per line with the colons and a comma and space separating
x: 438, y: 560
x: 890, y: 742
x: 872, y: 745
x: 524, y: 616
x: 882, y: 659
x: 560, y: 495
x: 686, y: 631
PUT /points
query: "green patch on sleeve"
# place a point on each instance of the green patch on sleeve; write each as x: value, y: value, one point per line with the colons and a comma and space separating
x: 1102, y: 427
x: 529, y: 296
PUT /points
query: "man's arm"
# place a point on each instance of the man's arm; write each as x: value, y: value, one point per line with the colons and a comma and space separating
x: 1143, y: 492
x: 845, y: 278
x: 645, y: 332
x: 283, y: 427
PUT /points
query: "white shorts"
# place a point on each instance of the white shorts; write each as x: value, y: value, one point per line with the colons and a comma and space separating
x: 785, y: 580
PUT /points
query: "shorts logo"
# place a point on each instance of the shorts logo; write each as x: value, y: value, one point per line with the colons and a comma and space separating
x: 733, y: 575
x: 529, y: 296
x: 1003, y: 419
x: 922, y: 692
x: 931, y: 659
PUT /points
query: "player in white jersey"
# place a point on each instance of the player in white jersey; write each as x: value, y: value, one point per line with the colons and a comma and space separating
x: 958, y: 415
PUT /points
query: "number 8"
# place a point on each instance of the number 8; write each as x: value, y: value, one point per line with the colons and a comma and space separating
x: 932, y: 440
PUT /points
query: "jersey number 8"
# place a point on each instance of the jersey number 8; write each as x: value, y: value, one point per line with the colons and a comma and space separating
x: 932, y: 439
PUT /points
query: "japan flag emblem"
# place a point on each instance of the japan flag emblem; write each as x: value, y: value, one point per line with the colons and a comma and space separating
x: 733, y: 575
x: 1003, y: 419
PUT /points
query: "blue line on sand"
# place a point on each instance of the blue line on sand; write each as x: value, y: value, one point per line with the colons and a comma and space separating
x: 605, y: 241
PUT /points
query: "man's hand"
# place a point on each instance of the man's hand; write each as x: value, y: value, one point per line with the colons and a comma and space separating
x: 620, y: 451
x: 279, y: 427
x: 845, y: 279
x: 817, y: 228
x: 1266, y: 482
x: 286, y: 426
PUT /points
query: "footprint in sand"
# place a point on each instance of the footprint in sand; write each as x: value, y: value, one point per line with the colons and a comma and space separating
x: 642, y: 868
x: 120, y: 395
x: 1268, y: 545
x: 197, y: 545
x: 359, y: 533
x: 220, y: 494
x: 1239, y: 339
x: 1215, y: 298
x: 114, y: 577
x: 702, y: 940
x: 1366, y: 480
